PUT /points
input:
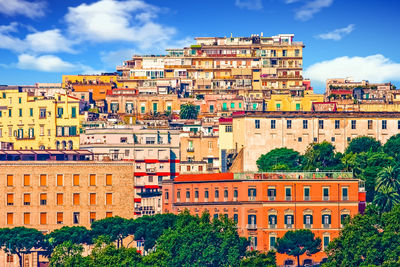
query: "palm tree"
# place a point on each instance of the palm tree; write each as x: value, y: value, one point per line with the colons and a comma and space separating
x: 389, y: 177
x: 188, y: 111
x: 386, y: 198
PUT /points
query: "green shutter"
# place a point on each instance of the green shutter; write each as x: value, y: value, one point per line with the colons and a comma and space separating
x: 73, y: 112
x: 224, y: 106
x: 297, y: 106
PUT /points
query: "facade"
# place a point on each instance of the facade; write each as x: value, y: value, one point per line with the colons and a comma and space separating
x: 255, y: 66
x: 154, y: 154
x: 266, y: 205
x: 259, y: 132
x: 31, y: 122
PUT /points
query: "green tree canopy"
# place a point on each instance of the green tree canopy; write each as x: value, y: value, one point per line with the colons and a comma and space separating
x: 188, y: 111
x: 68, y: 254
x: 296, y: 243
x: 21, y: 240
x: 371, y: 239
x: 392, y: 147
x: 280, y: 159
x: 258, y: 259
x: 197, y: 241
x: 116, y: 228
x: 75, y: 235
x: 322, y: 156
x: 363, y: 144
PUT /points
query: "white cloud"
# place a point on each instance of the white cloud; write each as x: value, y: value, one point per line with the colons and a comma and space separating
x: 116, y: 57
x: 111, y: 20
x: 249, y: 4
x: 50, y: 41
x: 375, y: 68
x: 310, y: 8
x: 22, y: 7
x: 48, y: 63
x: 337, y: 34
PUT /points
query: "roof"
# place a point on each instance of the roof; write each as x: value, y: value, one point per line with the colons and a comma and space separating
x: 204, y: 177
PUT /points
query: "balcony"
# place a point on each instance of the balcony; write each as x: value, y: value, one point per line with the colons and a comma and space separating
x: 252, y: 198
x: 272, y: 226
x: 308, y: 226
x: 234, y: 198
x: 326, y: 198
x: 252, y: 226
x: 307, y: 198
x: 345, y: 198
x: 326, y: 225
x: 190, y: 149
x: 151, y: 170
x: 289, y: 226
x: 271, y: 198
x: 288, y: 198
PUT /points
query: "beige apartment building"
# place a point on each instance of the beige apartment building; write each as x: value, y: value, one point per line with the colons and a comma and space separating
x: 257, y: 133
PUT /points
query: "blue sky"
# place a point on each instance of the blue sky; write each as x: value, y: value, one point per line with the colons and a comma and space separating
x: 41, y: 40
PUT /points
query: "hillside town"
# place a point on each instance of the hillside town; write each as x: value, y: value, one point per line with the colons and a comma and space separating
x: 227, y: 126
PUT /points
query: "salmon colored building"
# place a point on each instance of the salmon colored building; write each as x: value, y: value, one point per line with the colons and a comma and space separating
x: 267, y: 205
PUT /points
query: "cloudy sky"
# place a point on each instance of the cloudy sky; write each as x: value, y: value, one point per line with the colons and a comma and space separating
x: 41, y: 40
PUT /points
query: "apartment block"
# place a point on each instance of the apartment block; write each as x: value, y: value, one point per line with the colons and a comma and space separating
x: 257, y: 133
x: 38, y: 122
x: 267, y: 205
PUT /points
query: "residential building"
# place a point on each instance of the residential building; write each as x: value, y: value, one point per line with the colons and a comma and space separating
x: 36, y: 122
x: 267, y: 205
x: 258, y: 133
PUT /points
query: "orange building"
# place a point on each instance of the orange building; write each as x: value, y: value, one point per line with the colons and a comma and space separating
x: 267, y: 205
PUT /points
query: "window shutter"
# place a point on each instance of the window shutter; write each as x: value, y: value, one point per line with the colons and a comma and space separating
x: 60, y: 199
x: 249, y: 192
x: 59, y: 217
x: 27, y: 179
x: 43, y: 179
x: 329, y: 219
x: 286, y: 219
x: 249, y: 219
x: 311, y: 219
x: 92, y: 178
x: 304, y: 219
x: 108, y: 198
x: 92, y: 198
x: 27, y: 198
x: 76, y: 179
x: 108, y: 179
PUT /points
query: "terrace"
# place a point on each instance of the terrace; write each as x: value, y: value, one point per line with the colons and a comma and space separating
x: 295, y: 175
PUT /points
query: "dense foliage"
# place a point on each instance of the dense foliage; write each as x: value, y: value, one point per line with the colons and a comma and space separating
x: 280, y: 159
x: 188, y: 111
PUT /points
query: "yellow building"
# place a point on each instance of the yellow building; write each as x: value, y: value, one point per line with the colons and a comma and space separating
x: 287, y: 102
x: 86, y: 79
x: 37, y: 122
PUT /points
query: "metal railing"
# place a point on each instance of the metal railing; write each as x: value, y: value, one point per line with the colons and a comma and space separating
x: 252, y: 226
x: 294, y: 175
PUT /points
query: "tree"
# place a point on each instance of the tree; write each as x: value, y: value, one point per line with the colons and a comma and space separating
x: 279, y: 159
x: 389, y: 177
x: 258, y: 259
x: 322, y: 156
x: 371, y: 239
x: 75, y: 235
x: 296, y: 243
x: 197, y: 241
x: 188, y: 111
x: 68, y: 254
x: 363, y: 144
x: 386, y: 198
x: 21, y: 240
x: 392, y: 147
x: 116, y: 228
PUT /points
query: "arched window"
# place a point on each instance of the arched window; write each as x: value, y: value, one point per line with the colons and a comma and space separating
x: 226, y: 193
x: 178, y: 195
x: 206, y: 194
x: 235, y: 194
x: 166, y: 195
x: 57, y: 144
x: 70, y: 145
x: 187, y: 194
x: 63, y: 145
x: 308, y: 220
x: 216, y: 194
x: 196, y: 194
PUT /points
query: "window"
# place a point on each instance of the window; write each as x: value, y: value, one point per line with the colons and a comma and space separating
x: 225, y: 193
x: 307, y: 220
x: 60, y: 112
x: 273, y: 124
x: 278, y: 107
x: 333, y: 139
x: 43, y: 199
x: 326, y: 242
x: 10, y: 218
x: 27, y: 218
x: 27, y: 180
x: 31, y: 112
x: 326, y: 220
x: 10, y: 199
x: 257, y: 124
x: 20, y: 112
x: 76, y: 217
x: 211, y: 108
x: 92, y: 198
x: 252, y: 192
x: 60, y: 199
x: 272, y: 242
x: 235, y: 194
x: 60, y: 218
x: 298, y: 107
x: 384, y: 124
x: 216, y: 194
x: 76, y: 179
x: 325, y: 193
x: 108, y: 179
x: 92, y: 217
x: 92, y: 179
x: 9, y: 113
x: 228, y: 128
x: 321, y: 124
x: 306, y: 193
x: 42, y: 113
x: 43, y: 180
x: 108, y: 198
x: 398, y: 124
x: 150, y: 140
x: 288, y: 193
x: 196, y: 194
x: 337, y: 124
x: 252, y: 221
x: 353, y: 124
x: 178, y: 196
x: 289, y: 219
x: 345, y: 192
x: 272, y: 221
x: 27, y: 199
x: 271, y: 194
x: 240, y: 105
x: 232, y: 105
x: 235, y: 218
x: 73, y: 112
x: 206, y: 194
x: 43, y: 218
x: 60, y: 179
x: 10, y: 180
x: 305, y: 124
x: 76, y: 198
x: 109, y: 214
x: 142, y: 109
x: 299, y: 139
x: 289, y: 124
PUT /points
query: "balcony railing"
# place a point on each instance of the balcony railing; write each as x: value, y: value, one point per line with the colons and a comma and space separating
x: 307, y: 198
x: 289, y: 226
x: 252, y: 226
x: 326, y: 225
x: 308, y: 226
x: 294, y: 175
x: 190, y: 149
x: 326, y: 198
x: 272, y: 226
x: 288, y: 198
x: 271, y: 198
x: 252, y: 198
